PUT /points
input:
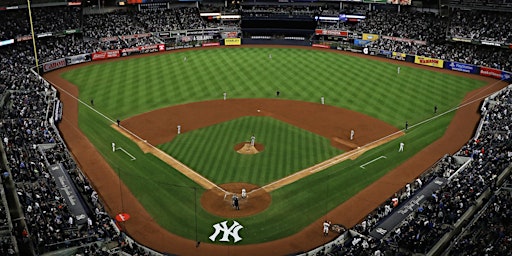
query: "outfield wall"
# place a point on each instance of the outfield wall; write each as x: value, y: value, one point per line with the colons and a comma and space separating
x: 228, y: 42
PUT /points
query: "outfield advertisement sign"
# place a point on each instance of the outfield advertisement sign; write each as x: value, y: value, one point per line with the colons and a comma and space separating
x: 328, y: 32
x: 210, y: 44
x: 320, y: 46
x: 54, y: 64
x: 490, y: 72
x: 232, y: 41
x: 426, y: 61
x: 170, y: 48
x: 506, y: 76
x: 398, y: 56
x: 78, y: 59
x: 495, y: 73
x: 105, y: 55
x: 143, y: 49
x: 461, y: 67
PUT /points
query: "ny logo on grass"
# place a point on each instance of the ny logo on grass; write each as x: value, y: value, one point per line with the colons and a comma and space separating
x: 231, y: 231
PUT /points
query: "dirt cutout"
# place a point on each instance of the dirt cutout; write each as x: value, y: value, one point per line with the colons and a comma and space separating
x: 245, y: 148
x: 221, y: 205
x: 144, y: 229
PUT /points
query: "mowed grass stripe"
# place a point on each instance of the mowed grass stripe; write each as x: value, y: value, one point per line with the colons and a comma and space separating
x: 295, y: 73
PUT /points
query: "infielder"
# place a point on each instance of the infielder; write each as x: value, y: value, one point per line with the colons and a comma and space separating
x: 352, y: 134
x: 179, y: 129
x: 322, y: 100
x: 327, y: 224
x: 244, y: 193
x: 401, y: 147
x: 225, y: 95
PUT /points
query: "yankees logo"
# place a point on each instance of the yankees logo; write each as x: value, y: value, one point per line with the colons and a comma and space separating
x: 231, y: 231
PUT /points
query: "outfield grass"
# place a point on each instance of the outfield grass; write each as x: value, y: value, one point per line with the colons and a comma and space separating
x: 127, y: 87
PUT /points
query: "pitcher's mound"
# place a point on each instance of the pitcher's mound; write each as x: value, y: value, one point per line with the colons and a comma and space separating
x: 216, y: 202
x: 246, y: 148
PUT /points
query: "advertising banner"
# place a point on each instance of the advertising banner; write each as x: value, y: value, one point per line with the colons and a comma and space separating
x: 72, y: 31
x: 359, y: 42
x: 143, y: 49
x: 370, y: 51
x: 331, y: 32
x: 370, y: 37
x: 232, y: 41
x: 6, y: 42
x: 109, y: 39
x: 398, y: 56
x: 69, y: 192
x: 320, y: 45
x: 385, y: 53
x: 491, y: 43
x: 136, y: 36
x: 210, y: 44
x: 490, y: 72
x: 78, y: 59
x: 407, y: 208
x: 355, y: 35
x: 426, y: 61
x: 407, y: 40
x: 506, y: 76
x: 44, y: 35
x: 23, y: 38
x: 54, y: 64
x: 461, y: 67
x: 170, y: 48
x: 461, y: 39
x: 105, y: 55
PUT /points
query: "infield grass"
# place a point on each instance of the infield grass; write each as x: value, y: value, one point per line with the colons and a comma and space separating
x: 123, y: 88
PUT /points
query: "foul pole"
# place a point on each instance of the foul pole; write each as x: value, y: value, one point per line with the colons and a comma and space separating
x: 33, y: 35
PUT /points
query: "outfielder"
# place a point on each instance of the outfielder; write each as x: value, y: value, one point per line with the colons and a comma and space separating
x: 401, y: 147
x: 113, y: 147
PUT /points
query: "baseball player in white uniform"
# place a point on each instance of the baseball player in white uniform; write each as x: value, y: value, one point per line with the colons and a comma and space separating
x: 327, y: 224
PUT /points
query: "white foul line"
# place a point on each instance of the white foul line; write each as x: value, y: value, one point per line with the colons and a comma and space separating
x: 372, y: 161
x: 126, y: 152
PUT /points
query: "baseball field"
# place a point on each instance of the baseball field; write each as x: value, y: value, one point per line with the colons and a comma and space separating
x: 304, y: 164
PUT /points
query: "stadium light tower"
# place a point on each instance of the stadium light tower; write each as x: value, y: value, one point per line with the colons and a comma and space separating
x: 33, y: 35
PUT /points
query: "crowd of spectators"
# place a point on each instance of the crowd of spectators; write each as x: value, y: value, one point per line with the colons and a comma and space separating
x: 433, y: 30
x: 50, y: 19
x: 50, y: 225
x: 490, y: 234
x: 484, y: 25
